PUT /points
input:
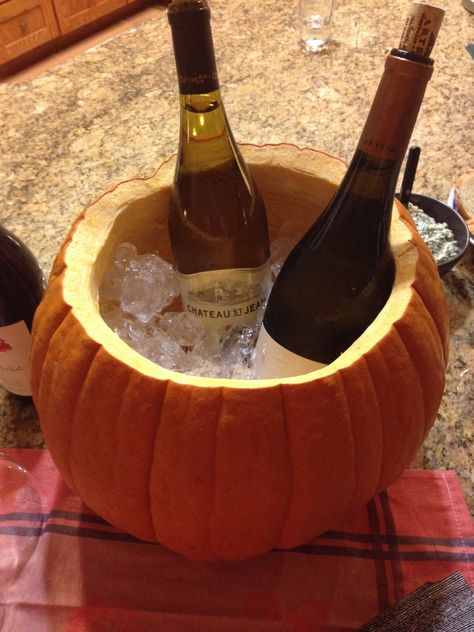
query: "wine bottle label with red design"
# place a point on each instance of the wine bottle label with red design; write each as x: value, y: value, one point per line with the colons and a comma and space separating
x: 15, y: 344
x: 226, y: 298
x: 275, y: 361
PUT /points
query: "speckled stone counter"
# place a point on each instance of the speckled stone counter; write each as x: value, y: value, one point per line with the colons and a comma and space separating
x: 111, y: 114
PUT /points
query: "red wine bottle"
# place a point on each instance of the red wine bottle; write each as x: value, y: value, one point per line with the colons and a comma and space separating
x: 217, y: 221
x: 21, y: 289
x: 339, y: 276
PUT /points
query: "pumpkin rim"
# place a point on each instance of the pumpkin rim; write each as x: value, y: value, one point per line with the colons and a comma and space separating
x: 82, y: 297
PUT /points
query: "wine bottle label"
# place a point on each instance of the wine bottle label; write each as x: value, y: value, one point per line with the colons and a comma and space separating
x: 275, y: 361
x: 226, y: 298
x: 15, y: 344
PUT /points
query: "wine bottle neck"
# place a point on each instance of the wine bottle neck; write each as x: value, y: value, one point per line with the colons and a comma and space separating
x: 193, y: 46
x: 204, y: 131
x: 395, y: 108
x: 206, y: 140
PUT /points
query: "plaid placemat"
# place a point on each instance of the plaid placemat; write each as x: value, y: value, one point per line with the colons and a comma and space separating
x: 64, y: 569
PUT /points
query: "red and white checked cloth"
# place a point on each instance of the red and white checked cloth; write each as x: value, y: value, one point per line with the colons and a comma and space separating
x: 64, y: 569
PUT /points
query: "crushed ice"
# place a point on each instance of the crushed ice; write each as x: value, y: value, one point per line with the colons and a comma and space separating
x: 139, y: 300
x: 134, y: 296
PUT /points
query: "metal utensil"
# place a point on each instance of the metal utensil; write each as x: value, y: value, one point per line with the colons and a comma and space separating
x: 409, y: 175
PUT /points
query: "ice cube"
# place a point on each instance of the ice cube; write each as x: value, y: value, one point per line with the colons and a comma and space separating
x: 183, y: 327
x: 238, y: 347
x: 112, y: 283
x: 149, y: 285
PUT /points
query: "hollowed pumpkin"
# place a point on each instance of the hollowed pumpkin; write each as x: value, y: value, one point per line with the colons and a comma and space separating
x: 216, y: 468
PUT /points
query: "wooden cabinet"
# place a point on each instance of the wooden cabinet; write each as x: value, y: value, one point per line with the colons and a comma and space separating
x: 73, y: 14
x: 25, y: 25
x: 32, y: 27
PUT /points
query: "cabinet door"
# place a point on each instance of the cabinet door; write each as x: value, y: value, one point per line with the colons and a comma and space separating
x: 72, y: 14
x: 24, y: 25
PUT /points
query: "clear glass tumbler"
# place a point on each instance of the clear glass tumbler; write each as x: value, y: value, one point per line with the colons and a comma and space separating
x: 314, y: 18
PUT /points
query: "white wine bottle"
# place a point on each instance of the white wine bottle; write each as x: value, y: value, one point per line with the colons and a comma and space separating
x: 217, y: 221
x: 21, y: 289
x: 339, y: 276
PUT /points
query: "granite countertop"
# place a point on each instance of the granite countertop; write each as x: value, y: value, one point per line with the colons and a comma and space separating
x: 111, y: 114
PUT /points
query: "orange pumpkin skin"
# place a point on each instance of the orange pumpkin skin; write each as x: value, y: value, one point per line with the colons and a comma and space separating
x: 221, y: 469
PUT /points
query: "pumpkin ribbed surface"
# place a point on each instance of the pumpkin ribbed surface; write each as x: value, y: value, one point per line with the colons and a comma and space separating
x: 216, y: 468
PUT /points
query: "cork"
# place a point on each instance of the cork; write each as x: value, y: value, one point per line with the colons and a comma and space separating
x: 421, y: 28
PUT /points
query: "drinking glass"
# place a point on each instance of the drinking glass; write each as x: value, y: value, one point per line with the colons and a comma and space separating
x: 20, y: 519
x: 314, y: 18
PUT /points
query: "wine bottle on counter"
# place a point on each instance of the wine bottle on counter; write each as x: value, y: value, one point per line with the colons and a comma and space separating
x: 217, y: 221
x: 339, y: 276
x: 21, y: 289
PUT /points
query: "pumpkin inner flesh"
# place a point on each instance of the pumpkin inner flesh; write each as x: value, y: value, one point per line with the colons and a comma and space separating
x: 137, y: 212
